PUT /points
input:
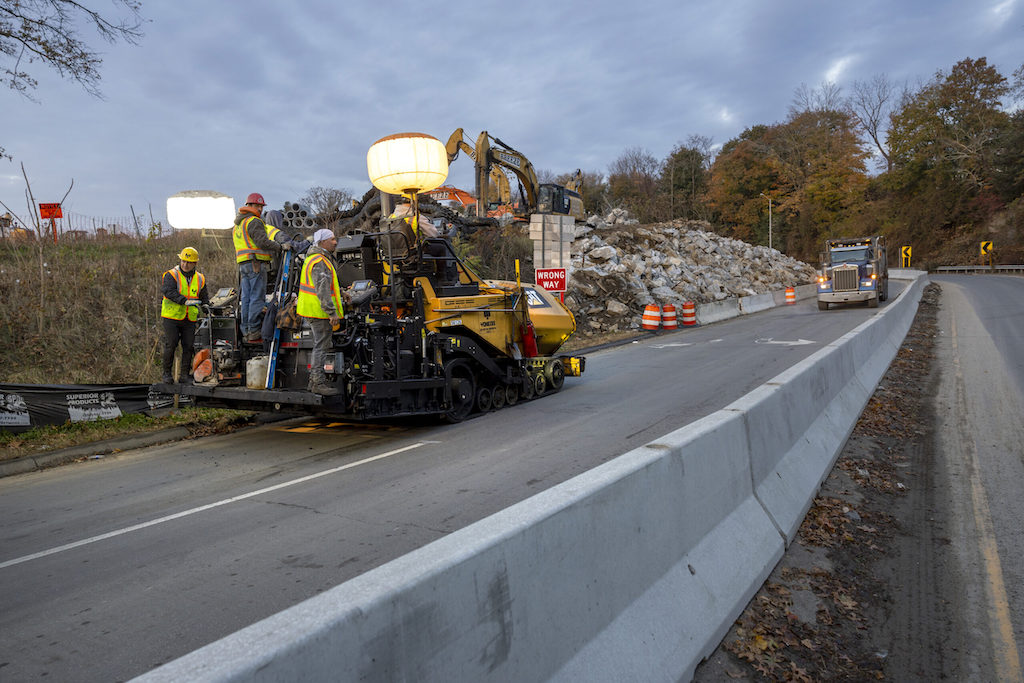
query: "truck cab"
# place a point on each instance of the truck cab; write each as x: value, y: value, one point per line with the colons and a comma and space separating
x: 853, y: 270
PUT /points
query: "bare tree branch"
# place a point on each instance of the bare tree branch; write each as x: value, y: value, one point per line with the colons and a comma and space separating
x: 871, y: 103
x: 46, y: 31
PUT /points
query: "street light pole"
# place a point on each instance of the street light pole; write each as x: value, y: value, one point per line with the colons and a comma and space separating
x: 769, y: 219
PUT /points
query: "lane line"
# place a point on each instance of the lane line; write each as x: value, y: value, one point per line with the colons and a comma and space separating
x: 203, y: 508
x: 1005, y: 645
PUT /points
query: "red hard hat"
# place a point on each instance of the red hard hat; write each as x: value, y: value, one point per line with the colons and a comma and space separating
x: 255, y: 198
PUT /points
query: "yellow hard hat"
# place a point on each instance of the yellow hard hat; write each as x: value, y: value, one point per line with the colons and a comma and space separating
x: 189, y: 254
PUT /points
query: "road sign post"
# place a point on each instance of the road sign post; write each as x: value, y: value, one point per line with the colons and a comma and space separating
x: 51, y: 211
x: 905, y: 256
x: 986, y: 250
x: 553, y: 280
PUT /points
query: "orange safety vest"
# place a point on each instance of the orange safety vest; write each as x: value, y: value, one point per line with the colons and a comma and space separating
x: 189, y: 290
x: 244, y: 247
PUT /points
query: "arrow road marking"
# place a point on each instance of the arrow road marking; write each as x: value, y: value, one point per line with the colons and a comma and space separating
x: 769, y: 340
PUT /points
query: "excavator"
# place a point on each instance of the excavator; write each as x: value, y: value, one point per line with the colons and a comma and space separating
x: 454, y: 194
x: 456, y: 143
x: 540, y: 197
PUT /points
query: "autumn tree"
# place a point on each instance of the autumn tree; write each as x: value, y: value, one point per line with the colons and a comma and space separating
x: 951, y: 123
x: 947, y: 141
x: 745, y: 167
x: 811, y: 167
x: 685, y: 177
x: 633, y: 181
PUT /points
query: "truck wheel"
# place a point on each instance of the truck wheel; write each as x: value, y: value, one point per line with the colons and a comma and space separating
x: 539, y: 383
x: 554, y: 371
x: 484, y: 399
x: 822, y: 305
x: 498, y: 398
x: 526, y: 393
x: 462, y: 387
x: 511, y: 394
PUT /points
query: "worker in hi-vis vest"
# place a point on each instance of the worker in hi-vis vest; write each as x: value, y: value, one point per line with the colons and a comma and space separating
x: 256, y: 243
x: 184, y: 291
x: 320, y: 302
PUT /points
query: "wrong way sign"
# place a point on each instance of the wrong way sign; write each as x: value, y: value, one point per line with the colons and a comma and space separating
x: 551, y: 279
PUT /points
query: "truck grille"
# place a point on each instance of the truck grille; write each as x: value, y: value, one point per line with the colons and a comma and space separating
x: 844, y: 279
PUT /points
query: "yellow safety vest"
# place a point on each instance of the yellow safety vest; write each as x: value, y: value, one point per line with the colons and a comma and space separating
x: 308, y: 305
x: 244, y: 248
x: 189, y: 290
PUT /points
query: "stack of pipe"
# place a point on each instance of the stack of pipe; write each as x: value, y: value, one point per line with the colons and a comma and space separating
x: 298, y: 218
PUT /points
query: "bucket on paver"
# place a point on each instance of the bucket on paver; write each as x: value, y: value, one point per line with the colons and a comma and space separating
x: 256, y: 372
x: 790, y: 295
x: 652, y: 317
x: 668, y: 317
x: 689, y: 313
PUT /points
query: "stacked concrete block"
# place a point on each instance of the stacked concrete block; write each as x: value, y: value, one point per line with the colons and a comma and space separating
x: 552, y: 237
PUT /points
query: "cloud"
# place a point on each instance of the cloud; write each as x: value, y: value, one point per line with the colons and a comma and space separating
x: 279, y: 97
x: 835, y: 72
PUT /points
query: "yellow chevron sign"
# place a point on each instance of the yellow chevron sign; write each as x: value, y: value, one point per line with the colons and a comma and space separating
x: 986, y: 248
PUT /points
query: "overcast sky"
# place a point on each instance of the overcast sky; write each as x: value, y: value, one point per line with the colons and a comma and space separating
x: 278, y: 97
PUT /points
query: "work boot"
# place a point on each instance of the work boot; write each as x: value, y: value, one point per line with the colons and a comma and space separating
x: 324, y: 390
x: 318, y: 385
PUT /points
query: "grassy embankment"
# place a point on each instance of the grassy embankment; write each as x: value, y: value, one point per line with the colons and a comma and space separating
x: 88, y: 312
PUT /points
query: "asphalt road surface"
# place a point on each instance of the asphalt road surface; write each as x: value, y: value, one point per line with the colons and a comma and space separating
x: 980, y: 437
x: 111, y: 567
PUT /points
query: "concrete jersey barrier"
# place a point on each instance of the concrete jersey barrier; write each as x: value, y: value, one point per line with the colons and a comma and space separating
x: 631, y: 571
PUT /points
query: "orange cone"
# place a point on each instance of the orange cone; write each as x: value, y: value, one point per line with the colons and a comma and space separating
x: 790, y: 295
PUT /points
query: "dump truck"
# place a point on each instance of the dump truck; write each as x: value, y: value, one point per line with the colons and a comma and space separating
x: 853, y: 269
x: 415, y: 339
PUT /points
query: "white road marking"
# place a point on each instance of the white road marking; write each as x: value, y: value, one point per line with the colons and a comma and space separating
x: 665, y: 346
x: 202, y: 508
x: 769, y: 340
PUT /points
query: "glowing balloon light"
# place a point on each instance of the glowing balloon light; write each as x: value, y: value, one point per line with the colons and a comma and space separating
x: 407, y: 163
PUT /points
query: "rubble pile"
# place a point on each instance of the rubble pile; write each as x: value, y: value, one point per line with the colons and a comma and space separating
x: 620, y: 266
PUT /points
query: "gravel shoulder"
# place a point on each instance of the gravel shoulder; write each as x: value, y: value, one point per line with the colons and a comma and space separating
x: 869, y: 590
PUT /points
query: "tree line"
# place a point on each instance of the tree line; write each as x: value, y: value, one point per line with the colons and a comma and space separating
x: 936, y: 166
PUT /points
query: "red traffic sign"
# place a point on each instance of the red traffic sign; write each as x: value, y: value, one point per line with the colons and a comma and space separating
x: 551, y: 279
x: 48, y: 211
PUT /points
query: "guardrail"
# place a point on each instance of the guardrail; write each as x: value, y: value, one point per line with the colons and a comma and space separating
x: 974, y: 270
x: 631, y: 571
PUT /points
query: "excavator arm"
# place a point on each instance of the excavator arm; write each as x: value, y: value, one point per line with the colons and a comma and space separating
x: 456, y: 144
x: 508, y: 158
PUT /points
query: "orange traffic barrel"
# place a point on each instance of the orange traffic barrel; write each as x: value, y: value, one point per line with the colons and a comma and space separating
x: 668, y: 317
x: 652, y: 317
x: 689, y: 313
x: 790, y: 295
